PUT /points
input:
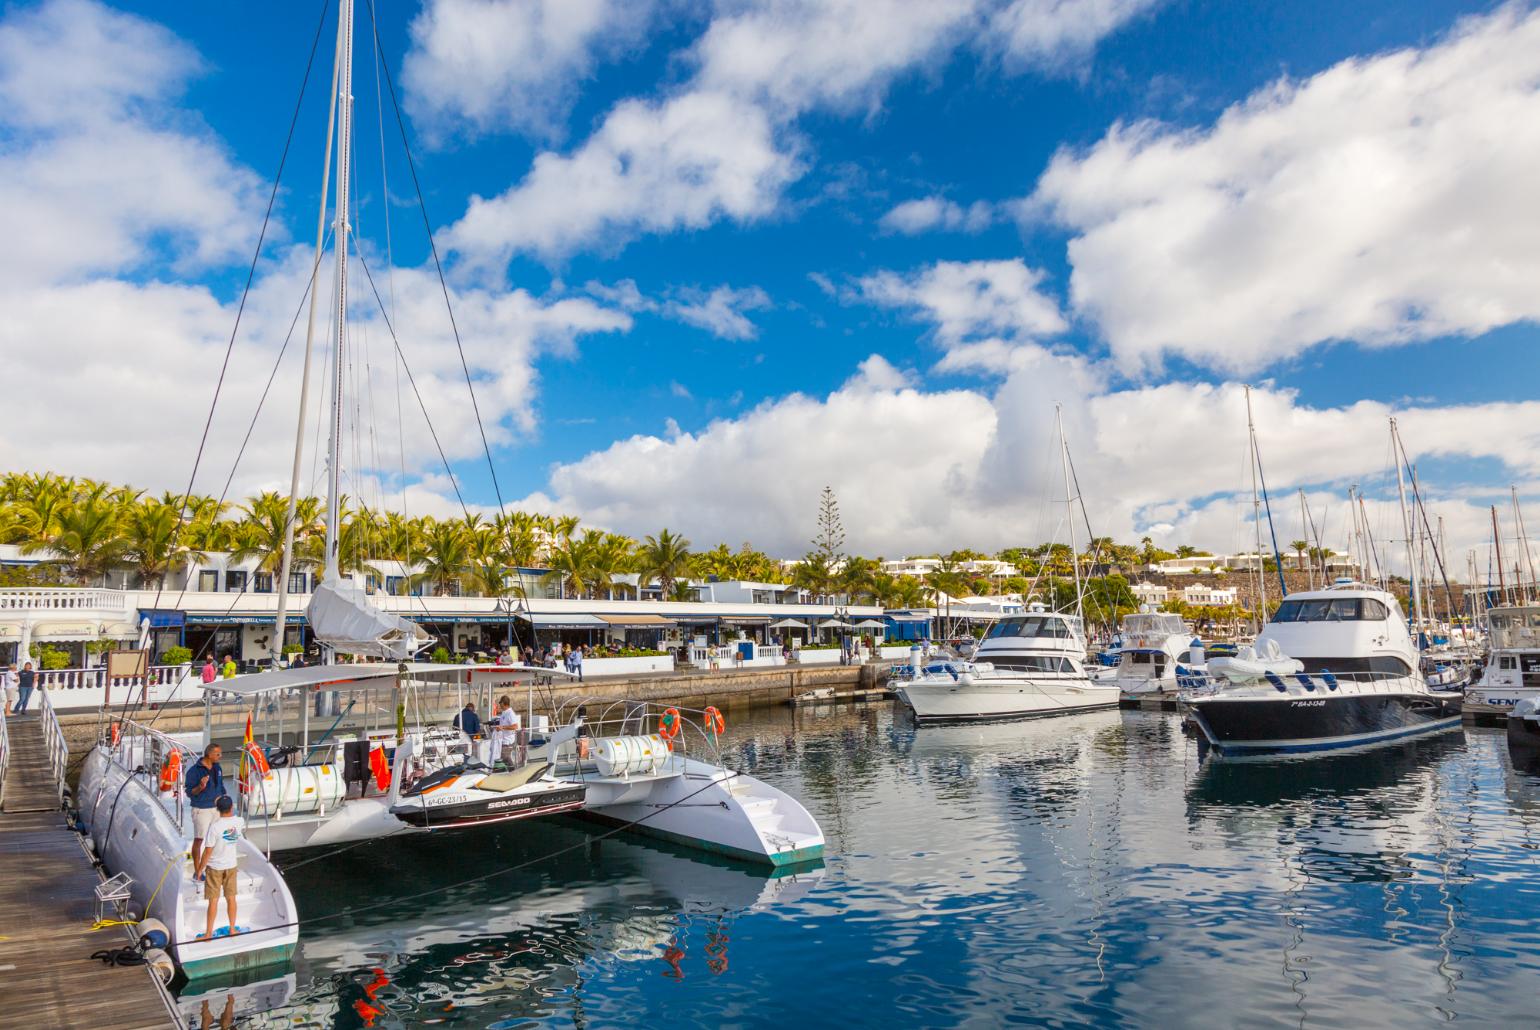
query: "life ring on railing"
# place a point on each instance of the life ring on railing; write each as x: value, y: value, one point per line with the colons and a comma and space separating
x: 115, y: 732
x: 715, y: 724
x: 171, y: 772
x: 258, y: 760
x: 669, y: 726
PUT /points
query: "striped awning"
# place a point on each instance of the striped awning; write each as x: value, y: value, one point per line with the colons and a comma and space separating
x: 636, y: 620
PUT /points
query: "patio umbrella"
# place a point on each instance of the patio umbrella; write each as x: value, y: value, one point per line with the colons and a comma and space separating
x: 788, y: 624
x: 870, y: 624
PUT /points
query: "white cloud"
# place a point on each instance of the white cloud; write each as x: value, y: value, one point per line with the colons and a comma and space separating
x: 930, y: 213
x: 103, y: 177
x: 1056, y: 33
x: 982, y: 469
x: 723, y: 145
x: 94, y: 174
x: 1384, y: 200
x: 719, y: 311
x: 651, y: 167
x: 969, y: 299
x: 484, y: 65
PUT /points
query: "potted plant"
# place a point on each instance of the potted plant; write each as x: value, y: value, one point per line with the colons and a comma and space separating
x: 177, y: 655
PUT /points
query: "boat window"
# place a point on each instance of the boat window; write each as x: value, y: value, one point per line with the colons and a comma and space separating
x: 1065, y: 665
x: 1031, y: 626
x: 1335, y: 609
x: 1507, y: 661
x: 1006, y: 628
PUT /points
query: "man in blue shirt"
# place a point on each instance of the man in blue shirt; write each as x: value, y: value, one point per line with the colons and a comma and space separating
x: 205, y: 785
x: 468, y: 722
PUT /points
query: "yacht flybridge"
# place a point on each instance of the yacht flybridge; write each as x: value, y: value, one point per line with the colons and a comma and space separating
x: 1155, y: 646
x: 1028, y: 665
x: 1333, y: 668
x: 1512, y: 671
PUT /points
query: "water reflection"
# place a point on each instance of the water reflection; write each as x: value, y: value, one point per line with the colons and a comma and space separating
x: 1084, y: 870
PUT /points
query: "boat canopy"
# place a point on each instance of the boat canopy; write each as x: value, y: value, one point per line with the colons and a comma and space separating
x: 342, y: 617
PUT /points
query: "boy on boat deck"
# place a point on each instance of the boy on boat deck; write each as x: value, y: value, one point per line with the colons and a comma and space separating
x: 221, y: 861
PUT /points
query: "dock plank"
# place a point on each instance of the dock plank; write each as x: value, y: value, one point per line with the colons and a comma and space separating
x: 46, y: 911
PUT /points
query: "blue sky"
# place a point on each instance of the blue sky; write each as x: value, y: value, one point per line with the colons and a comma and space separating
x: 1129, y: 207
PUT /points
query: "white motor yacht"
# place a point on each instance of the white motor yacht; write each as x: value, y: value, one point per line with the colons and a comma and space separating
x: 1027, y: 666
x: 1155, y: 646
x: 1512, y: 670
x: 1332, y: 668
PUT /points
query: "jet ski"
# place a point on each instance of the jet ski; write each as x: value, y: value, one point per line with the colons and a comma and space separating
x: 471, y: 793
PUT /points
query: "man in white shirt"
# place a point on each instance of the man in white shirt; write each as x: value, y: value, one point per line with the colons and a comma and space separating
x: 505, y: 731
x: 221, y: 861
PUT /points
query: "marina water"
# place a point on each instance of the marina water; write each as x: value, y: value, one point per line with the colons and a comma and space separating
x: 1093, y: 869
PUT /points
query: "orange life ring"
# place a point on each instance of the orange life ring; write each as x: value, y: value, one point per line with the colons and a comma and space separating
x: 715, y: 724
x: 171, y: 772
x: 669, y: 724
x: 258, y: 759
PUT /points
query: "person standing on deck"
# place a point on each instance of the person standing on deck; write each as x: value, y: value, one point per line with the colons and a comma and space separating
x: 210, y: 674
x: 205, y: 785
x: 221, y: 859
x: 505, y: 736
x: 26, y: 679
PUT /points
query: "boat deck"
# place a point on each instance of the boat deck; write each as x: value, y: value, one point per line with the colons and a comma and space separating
x: 47, y: 975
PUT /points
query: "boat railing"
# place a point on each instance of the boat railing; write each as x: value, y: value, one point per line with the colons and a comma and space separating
x: 53, y: 739
x: 609, y: 717
x: 1201, y: 684
x: 137, y: 745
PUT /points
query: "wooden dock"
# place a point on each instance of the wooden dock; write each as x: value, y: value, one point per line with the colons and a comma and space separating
x: 47, y: 975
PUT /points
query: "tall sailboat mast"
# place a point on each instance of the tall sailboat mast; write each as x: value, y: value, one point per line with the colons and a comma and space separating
x: 340, y: 249
x: 286, y: 563
x: 1069, y: 512
x: 1256, y: 513
x: 1397, y: 454
x: 1529, y: 592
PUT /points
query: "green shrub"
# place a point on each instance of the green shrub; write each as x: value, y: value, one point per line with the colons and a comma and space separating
x: 175, y: 656
x: 293, y: 648
x: 50, y: 657
x: 441, y: 655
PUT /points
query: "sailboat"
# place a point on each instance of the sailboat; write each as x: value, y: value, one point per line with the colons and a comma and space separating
x: 1028, y: 666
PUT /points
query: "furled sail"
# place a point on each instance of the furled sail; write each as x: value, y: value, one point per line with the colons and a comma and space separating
x: 342, y: 617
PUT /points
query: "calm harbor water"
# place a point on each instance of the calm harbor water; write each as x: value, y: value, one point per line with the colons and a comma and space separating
x: 1083, y: 870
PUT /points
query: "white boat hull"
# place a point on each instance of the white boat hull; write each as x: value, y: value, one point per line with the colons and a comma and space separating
x: 717, y: 810
x: 134, y: 833
x: 943, y: 699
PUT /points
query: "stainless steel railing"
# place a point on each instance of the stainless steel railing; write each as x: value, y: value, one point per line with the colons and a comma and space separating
x: 53, y: 739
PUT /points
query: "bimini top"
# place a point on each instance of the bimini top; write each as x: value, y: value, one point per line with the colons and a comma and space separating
x: 368, y: 676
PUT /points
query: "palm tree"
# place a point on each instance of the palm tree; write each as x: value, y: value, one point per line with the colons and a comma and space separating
x: 855, y: 576
x: 87, y: 539
x: 609, y: 555
x: 446, y: 556
x: 152, y: 542
x: 665, y: 558
x: 813, y: 575
x: 261, y: 532
x: 570, y: 564
x: 1299, y: 547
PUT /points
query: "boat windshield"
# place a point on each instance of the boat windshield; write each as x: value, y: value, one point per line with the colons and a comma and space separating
x: 1039, y: 626
x: 1335, y: 609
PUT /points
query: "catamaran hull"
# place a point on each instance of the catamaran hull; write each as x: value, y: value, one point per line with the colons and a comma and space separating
x: 1013, y: 699
x: 465, y: 810
x: 713, y: 810
x: 1292, y: 723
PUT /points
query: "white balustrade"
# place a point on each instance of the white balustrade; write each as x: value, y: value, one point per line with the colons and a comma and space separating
x: 63, y: 599
x: 76, y: 689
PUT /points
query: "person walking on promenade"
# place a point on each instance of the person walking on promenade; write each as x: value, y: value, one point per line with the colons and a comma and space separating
x: 221, y: 863
x: 26, y: 679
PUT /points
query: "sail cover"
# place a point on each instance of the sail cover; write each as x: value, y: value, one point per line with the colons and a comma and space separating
x: 341, y: 617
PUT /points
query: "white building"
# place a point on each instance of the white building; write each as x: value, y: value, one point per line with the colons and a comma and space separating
x: 1150, y: 593
x: 919, y: 568
x: 1201, y: 595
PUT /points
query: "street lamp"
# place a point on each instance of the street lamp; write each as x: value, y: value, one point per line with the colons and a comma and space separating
x: 842, y: 616
x: 513, y: 606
